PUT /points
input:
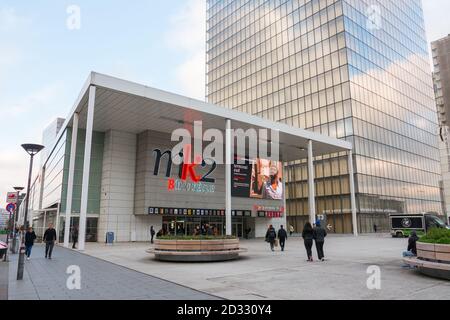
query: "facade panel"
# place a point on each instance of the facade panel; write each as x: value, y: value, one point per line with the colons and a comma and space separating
x: 352, y: 69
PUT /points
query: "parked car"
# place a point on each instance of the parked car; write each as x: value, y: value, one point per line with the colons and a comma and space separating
x: 403, y: 224
x: 3, y: 249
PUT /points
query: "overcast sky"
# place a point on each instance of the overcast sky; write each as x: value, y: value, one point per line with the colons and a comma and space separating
x: 43, y: 63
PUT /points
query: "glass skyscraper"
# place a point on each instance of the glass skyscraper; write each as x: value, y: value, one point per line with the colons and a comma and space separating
x: 352, y: 69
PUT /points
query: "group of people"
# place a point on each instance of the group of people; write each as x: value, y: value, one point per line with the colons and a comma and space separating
x: 206, y: 230
x: 49, y: 239
x: 310, y: 235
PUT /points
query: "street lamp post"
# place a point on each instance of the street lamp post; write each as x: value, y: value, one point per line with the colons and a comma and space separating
x: 32, y: 150
x: 16, y: 214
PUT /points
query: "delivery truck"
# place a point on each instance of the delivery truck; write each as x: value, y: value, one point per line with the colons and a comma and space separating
x: 403, y: 224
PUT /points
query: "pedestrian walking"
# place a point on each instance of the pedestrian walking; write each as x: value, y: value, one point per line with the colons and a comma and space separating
x: 291, y: 230
x: 319, y: 234
x: 49, y: 239
x: 30, y: 236
x: 271, y: 235
x: 74, y: 237
x: 282, y: 236
x: 375, y: 228
x: 308, y: 236
x: 152, y: 234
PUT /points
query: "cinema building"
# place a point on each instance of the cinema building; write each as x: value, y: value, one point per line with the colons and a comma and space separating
x: 110, y: 168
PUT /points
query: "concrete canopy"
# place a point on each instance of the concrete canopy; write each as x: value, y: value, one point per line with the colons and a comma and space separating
x: 130, y: 107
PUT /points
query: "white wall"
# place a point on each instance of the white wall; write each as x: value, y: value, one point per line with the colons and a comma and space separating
x: 261, y: 225
x: 118, y: 183
x: 129, y: 188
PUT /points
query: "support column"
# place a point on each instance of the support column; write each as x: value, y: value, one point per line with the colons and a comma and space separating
x: 286, y: 227
x: 228, y: 162
x: 58, y: 214
x: 44, y: 223
x: 73, y: 152
x: 311, y: 186
x: 352, y: 193
x: 86, y: 169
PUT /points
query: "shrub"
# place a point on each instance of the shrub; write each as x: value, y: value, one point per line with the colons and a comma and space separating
x: 437, y: 235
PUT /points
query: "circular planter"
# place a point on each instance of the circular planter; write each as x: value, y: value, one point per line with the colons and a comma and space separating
x: 196, y: 250
x: 433, y: 260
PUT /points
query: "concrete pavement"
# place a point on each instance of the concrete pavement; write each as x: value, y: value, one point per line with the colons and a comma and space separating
x: 100, y: 280
x: 3, y: 276
x: 3, y: 280
x: 261, y: 274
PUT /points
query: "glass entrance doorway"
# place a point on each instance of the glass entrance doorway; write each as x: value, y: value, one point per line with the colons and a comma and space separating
x: 186, y: 225
x: 238, y: 230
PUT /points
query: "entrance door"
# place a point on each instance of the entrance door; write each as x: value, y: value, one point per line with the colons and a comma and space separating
x: 217, y: 226
x: 190, y: 225
x: 238, y: 229
x: 181, y: 229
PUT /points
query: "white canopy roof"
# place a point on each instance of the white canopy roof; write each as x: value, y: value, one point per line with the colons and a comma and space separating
x: 135, y: 108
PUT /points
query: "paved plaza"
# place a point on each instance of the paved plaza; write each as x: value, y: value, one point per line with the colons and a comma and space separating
x: 100, y: 280
x: 261, y: 274
x: 126, y: 271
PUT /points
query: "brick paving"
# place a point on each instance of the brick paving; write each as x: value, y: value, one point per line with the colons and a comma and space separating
x: 100, y: 280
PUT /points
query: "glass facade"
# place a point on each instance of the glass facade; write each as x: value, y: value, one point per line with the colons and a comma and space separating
x: 49, y: 190
x: 95, y: 177
x: 352, y: 69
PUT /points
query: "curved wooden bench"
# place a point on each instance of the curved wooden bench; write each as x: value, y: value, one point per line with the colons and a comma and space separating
x: 432, y: 260
x: 196, y: 250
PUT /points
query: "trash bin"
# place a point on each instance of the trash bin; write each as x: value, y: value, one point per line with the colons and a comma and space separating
x: 109, y: 237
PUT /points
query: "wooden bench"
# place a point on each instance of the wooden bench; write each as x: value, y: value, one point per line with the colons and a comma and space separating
x: 432, y: 260
x: 196, y: 250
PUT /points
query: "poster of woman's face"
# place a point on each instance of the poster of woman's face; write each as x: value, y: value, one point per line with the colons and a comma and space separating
x: 266, y: 180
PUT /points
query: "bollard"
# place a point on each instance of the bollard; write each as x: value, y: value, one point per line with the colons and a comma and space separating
x: 21, y: 262
x: 14, y: 244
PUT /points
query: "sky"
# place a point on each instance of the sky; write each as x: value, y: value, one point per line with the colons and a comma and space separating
x: 46, y: 54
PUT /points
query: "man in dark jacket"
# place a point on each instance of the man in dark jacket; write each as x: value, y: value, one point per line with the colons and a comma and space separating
x: 152, y: 233
x: 30, y: 236
x: 319, y: 234
x: 271, y: 235
x: 282, y: 236
x: 49, y: 239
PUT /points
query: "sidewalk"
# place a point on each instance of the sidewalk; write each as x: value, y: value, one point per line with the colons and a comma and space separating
x: 3, y: 280
x: 3, y: 276
x: 262, y: 274
x: 100, y: 280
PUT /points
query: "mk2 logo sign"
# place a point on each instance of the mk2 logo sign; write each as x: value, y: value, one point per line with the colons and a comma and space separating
x: 190, y: 179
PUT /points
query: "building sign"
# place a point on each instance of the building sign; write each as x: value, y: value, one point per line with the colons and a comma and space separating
x: 11, y: 197
x: 192, y: 177
x: 196, y: 212
x: 197, y: 187
x: 259, y: 179
x: 268, y: 208
x: 270, y: 214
